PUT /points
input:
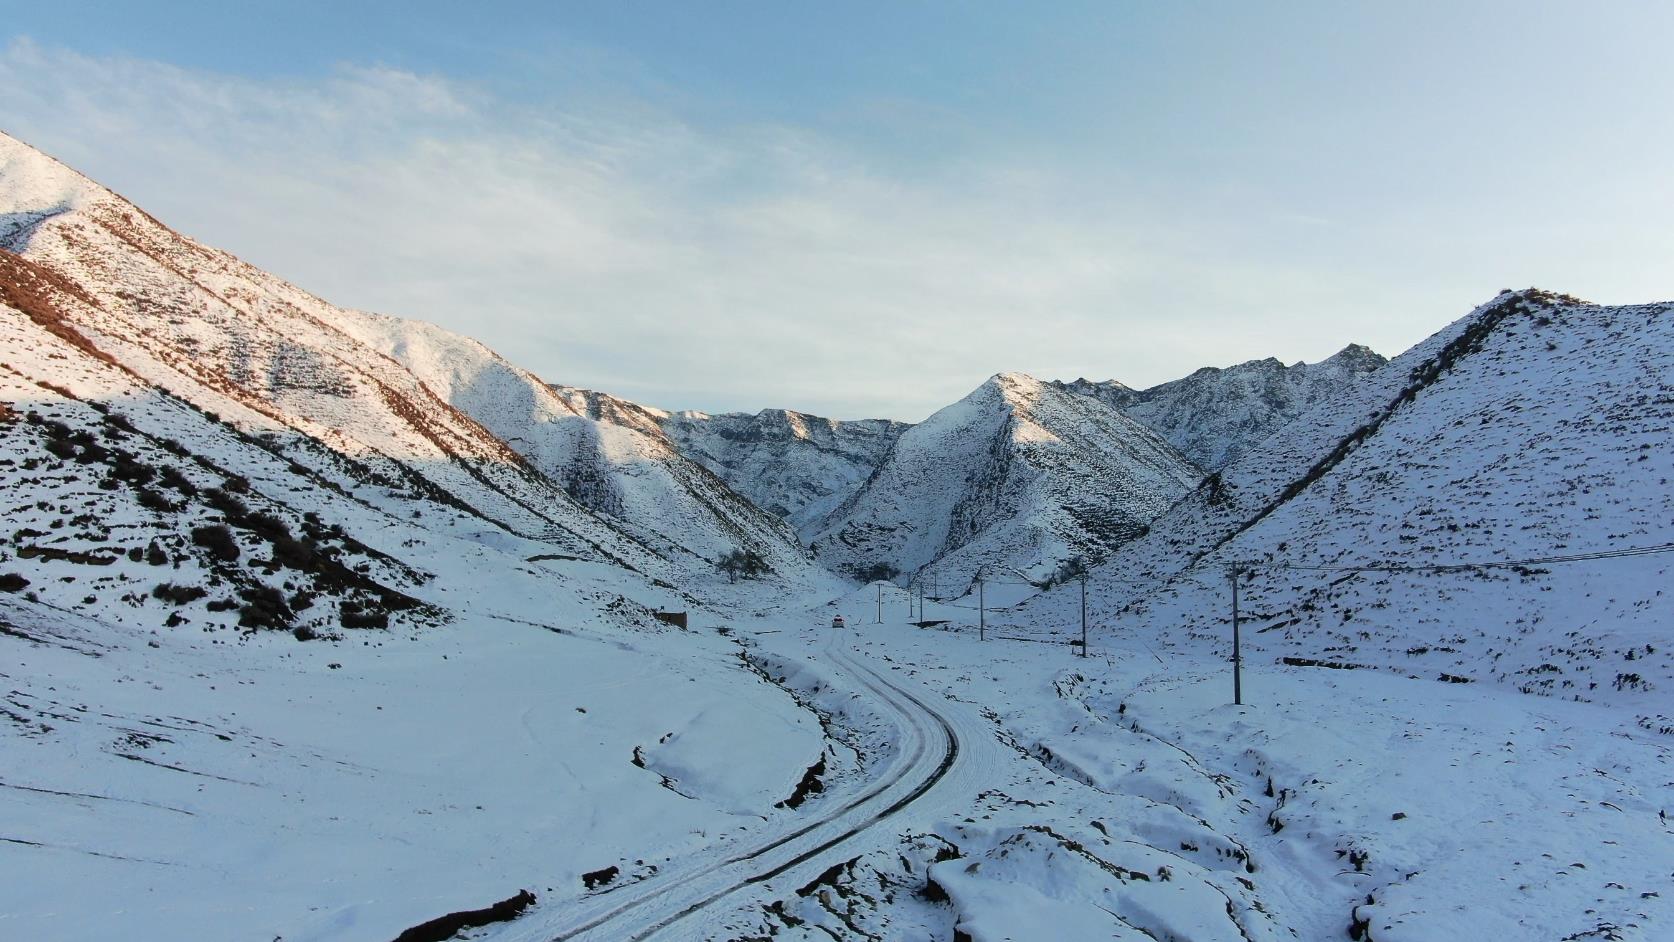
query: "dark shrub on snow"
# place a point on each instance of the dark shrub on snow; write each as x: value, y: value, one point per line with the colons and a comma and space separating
x: 218, y: 540
x: 178, y: 594
x: 264, y: 607
x: 350, y: 614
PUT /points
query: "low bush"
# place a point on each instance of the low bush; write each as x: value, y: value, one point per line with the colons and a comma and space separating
x: 350, y: 614
x: 153, y: 500
x: 218, y: 540
x: 294, y: 553
x: 178, y: 594
x: 171, y: 477
x: 264, y: 607
x: 226, y: 503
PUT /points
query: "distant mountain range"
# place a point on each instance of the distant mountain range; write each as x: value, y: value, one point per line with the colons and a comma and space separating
x: 1021, y: 474
x: 1215, y: 415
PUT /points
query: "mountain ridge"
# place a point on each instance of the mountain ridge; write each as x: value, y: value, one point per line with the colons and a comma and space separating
x: 1524, y: 430
x: 1214, y: 414
x: 1020, y: 452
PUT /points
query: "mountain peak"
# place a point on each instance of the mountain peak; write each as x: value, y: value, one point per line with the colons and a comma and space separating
x: 35, y: 187
x: 1356, y: 356
x: 1013, y: 379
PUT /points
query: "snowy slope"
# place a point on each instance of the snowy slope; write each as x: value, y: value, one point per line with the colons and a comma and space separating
x: 295, y: 648
x: 1141, y: 804
x: 1536, y: 426
x: 465, y: 702
x: 214, y: 786
x: 608, y: 454
x: 271, y: 359
x: 1019, y: 474
x: 1214, y: 415
x: 129, y: 504
x: 798, y: 466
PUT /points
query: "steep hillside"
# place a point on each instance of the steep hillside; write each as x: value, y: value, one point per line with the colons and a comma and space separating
x: 608, y: 454
x: 1215, y: 415
x: 269, y: 359
x: 798, y: 466
x: 233, y: 530
x: 126, y: 503
x: 1536, y: 427
x: 1019, y: 474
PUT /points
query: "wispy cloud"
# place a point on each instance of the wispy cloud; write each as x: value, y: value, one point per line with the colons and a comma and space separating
x: 617, y: 246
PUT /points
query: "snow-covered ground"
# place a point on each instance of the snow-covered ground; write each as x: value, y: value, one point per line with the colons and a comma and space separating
x: 254, y: 790
x: 1331, y: 803
x: 319, y: 625
x: 173, y: 783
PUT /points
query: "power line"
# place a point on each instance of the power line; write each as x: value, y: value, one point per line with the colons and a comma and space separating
x: 1238, y: 568
x: 1458, y: 567
x: 1246, y: 566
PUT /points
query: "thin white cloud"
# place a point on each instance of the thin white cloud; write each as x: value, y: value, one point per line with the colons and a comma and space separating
x: 621, y: 248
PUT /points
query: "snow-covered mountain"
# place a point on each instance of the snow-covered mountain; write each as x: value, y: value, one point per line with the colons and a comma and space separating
x: 798, y: 466
x: 608, y: 454
x: 1537, y: 426
x: 1214, y: 415
x: 271, y: 360
x: 1019, y: 474
x: 126, y: 502
x: 322, y: 625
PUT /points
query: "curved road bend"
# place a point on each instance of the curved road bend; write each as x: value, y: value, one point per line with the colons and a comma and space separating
x: 935, y: 745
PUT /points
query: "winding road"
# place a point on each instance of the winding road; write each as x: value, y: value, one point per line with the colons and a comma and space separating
x: 933, y: 751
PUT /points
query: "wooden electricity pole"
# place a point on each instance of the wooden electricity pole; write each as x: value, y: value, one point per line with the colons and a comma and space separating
x: 880, y: 603
x: 1237, y: 655
x: 1083, y: 614
x: 982, y: 614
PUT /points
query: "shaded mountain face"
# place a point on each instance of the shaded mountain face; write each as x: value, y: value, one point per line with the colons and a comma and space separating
x: 1019, y: 475
x: 608, y: 454
x: 1537, y: 426
x: 1214, y: 415
x: 800, y: 467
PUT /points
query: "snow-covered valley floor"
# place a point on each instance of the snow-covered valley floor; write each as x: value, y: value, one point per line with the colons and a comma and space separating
x: 178, y: 785
x: 1367, y: 805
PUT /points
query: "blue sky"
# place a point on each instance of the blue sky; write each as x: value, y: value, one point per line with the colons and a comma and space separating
x: 865, y: 209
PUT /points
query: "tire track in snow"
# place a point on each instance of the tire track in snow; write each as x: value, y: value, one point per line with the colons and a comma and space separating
x: 933, y: 753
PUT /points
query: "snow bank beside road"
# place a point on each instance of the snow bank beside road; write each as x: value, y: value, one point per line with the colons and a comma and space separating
x: 347, y: 791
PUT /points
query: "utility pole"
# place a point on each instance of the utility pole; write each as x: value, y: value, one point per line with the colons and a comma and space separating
x: 880, y: 603
x: 1237, y: 655
x: 982, y: 614
x: 1083, y: 614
